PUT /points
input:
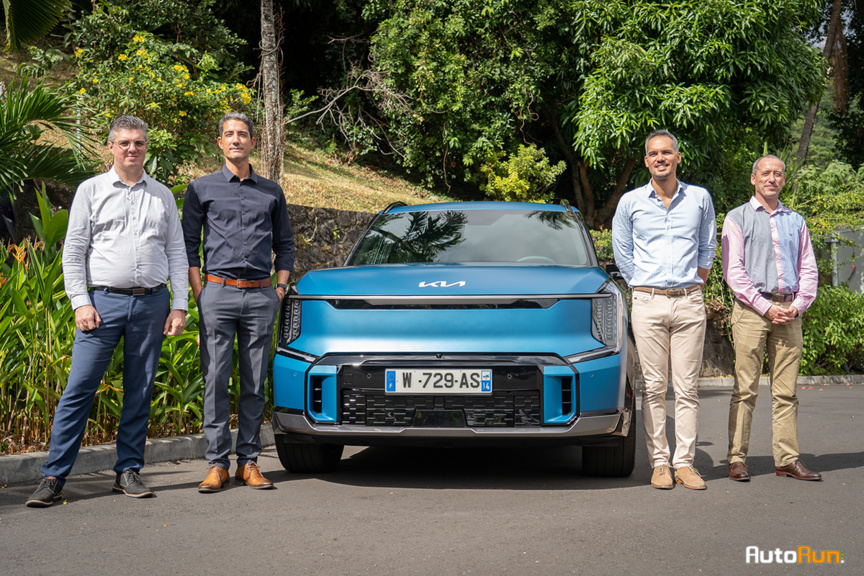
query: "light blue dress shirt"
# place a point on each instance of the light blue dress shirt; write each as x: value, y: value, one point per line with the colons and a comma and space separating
x: 663, y: 248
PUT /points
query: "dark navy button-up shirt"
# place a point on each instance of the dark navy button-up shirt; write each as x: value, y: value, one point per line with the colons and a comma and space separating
x: 241, y: 221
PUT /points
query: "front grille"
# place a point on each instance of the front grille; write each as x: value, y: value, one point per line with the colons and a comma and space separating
x: 503, y: 409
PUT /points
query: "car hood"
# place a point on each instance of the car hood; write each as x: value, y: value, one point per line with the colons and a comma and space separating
x: 451, y: 280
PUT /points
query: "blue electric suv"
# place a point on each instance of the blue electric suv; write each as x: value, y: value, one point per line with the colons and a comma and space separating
x: 458, y: 324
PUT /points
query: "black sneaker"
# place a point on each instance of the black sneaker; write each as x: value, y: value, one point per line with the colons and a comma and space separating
x: 49, y: 490
x: 129, y: 483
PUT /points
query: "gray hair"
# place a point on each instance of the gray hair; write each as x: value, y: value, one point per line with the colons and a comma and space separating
x: 657, y: 133
x: 756, y: 163
x: 237, y: 116
x: 126, y: 123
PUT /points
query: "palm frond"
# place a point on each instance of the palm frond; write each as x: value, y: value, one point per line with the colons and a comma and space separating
x: 29, y: 20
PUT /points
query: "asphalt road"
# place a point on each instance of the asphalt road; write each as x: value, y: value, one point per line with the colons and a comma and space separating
x: 442, y: 512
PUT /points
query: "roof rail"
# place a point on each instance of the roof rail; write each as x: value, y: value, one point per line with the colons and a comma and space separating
x: 396, y: 204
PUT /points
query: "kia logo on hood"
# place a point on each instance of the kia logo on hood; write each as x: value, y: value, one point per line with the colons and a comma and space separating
x: 441, y: 284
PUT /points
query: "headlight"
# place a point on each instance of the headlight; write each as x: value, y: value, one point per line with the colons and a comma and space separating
x: 607, y: 318
x: 607, y: 324
x: 289, y: 329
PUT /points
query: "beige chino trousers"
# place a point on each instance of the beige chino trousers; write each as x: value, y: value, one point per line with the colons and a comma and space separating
x: 670, y: 329
x: 751, y: 334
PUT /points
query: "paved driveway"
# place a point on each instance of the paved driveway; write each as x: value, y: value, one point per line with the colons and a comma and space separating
x: 440, y: 512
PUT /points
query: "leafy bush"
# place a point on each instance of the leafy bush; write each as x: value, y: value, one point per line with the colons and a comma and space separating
x: 37, y: 330
x: 171, y: 86
x: 523, y: 177
x: 834, y: 333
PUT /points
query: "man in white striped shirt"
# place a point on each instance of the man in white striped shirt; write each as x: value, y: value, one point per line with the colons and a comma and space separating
x: 664, y: 239
x: 122, y: 245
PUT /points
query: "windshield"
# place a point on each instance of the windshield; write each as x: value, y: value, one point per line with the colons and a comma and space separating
x: 463, y: 236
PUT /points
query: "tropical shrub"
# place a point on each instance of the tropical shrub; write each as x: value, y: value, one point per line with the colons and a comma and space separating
x: 172, y: 86
x: 834, y: 333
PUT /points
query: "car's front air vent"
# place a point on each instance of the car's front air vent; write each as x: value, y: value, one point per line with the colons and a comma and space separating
x: 538, y: 303
x: 566, y: 395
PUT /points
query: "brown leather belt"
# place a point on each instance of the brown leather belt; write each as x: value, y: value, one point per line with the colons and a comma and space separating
x: 779, y: 297
x: 265, y: 283
x: 670, y: 292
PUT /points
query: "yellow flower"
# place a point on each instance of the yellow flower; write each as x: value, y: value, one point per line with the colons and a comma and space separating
x: 95, y: 80
x: 131, y: 78
x: 138, y: 39
x: 240, y: 87
x: 153, y: 105
x: 141, y: 52
x: 82, y: 91
x: 186, y: 76
x: 122, y: 57
x: 245, y: 98
x: 188, y: 93
x: 182, y: 113
x: 78, y: 52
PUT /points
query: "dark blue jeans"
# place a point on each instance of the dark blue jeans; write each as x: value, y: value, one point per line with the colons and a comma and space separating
x: 139, y: 320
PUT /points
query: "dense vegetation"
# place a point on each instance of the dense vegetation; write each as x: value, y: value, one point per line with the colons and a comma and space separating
x: 539, y: 100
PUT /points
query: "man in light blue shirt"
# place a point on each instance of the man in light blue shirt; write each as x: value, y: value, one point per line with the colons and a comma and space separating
x: 664, y: 239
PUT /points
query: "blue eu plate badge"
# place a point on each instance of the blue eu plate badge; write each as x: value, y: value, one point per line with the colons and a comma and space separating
x: 390, y: 381
x: 486, y: 380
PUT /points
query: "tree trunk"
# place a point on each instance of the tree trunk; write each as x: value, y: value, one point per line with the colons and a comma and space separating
x: 835, y: 29
x: 272, y: 147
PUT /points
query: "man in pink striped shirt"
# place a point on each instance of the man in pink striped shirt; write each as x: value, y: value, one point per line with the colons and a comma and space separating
x: 769, y: 264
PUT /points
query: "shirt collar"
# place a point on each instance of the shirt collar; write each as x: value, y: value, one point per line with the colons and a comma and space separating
x: 230, y: 175
x: 756, y: 205
x: 653, y: 193
x: 115, y: 178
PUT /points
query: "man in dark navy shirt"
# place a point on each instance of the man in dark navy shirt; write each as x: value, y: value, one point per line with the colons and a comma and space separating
x: 243, y: 217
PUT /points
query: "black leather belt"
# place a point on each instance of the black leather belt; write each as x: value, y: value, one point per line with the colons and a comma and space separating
x: 136, y: 291
x: 779, y: 297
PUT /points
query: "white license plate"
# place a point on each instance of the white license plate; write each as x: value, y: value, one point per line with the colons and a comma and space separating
x: 438, y: 381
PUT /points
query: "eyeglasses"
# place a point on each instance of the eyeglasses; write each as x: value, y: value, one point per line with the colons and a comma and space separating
x: 126, y: 144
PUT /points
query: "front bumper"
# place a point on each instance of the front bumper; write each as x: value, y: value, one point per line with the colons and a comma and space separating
x: 592, y: 429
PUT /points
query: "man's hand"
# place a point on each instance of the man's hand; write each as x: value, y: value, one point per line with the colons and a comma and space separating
x: 175, y: 323
x: 780, y: 315
x: 86, y: 318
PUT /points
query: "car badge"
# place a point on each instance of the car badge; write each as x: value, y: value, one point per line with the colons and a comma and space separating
x: 441, y: 284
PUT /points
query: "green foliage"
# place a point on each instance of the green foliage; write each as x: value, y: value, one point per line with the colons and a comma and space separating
x: 523, y: 177
x: 29, y: 20
x: 37, y: 330
x: 603, y: 245
x: 42, y: 61
x: 829, y: 199
x: 26, y: 113
x: 834, y: 333
x: 588, y: 79
x: 171, y: 86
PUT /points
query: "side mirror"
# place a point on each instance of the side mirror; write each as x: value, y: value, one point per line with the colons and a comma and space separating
x: 614, y: 273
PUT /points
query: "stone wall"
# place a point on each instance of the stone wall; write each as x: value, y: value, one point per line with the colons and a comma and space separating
x: 325, y: 236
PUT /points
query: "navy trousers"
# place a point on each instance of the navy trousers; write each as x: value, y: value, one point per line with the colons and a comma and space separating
x: 226, y: 312
x: 139, y: 321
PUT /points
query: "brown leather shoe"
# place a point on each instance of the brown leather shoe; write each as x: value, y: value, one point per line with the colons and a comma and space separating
x: 797, y: 470
x: 738, y: 472
x: 250, y: 474
x: 217, y: 477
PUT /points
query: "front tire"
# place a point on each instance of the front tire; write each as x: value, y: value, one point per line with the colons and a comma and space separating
x: 308, y: 458
x: 612, y: 461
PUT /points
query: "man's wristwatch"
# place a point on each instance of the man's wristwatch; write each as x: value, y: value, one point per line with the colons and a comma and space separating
x: 284, y: 288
